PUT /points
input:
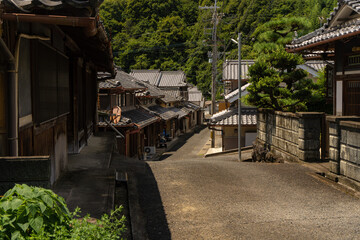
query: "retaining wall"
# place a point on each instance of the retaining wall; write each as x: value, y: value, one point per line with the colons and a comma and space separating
x: 34, y: 171
x: 344, y: 146
x: 292, y: 136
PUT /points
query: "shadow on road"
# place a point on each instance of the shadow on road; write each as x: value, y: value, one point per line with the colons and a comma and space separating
x: 152, y: 206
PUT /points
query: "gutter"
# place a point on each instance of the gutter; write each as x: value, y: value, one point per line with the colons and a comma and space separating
x: 88, y: 23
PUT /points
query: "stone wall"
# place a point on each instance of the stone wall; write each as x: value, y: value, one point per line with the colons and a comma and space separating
x: 291, y: 136
x: 334, y: 140
x: 344, y: 146
x: 34, y: 171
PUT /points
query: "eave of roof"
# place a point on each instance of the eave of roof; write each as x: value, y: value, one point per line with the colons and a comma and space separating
x: 164, y: 113
x: 328, y: 34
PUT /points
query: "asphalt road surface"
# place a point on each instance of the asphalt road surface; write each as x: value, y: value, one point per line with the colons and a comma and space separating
x: 184, y: 196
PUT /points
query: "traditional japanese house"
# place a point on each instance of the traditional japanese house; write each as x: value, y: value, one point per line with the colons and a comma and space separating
x: 119, y: 107
x: 51, y: 52
x: 337, y: 40
x: 227, y: 121
x: 230, y: 74
x: 169, y: 124
x: 171, y: 82
x: 196, y: 97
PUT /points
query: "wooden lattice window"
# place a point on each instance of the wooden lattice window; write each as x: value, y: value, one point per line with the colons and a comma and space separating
x: 330, y: 79
x: 354, y: 60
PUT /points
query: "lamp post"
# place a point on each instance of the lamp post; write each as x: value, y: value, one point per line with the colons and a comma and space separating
x: 238, y: 42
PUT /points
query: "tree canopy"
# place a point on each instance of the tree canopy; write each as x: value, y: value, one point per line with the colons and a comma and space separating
x: 176, y: 34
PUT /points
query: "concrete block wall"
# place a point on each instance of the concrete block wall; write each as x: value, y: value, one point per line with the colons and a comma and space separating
x: 292, y: 136
x: 34, y: 171
x: 350, y: 150
x: 335, y: 139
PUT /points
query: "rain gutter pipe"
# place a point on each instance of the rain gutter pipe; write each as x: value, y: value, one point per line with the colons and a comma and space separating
x: 13, y: 110
x: 13, y: 85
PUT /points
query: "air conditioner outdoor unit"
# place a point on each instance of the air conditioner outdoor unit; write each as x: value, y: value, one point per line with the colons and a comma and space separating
x: 149, y: 150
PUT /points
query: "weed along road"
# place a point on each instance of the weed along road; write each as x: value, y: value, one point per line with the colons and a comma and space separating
x: 185, y: 196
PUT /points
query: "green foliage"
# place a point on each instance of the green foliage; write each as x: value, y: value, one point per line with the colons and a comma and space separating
x: 277, y: 33
x: 318, y: 101
x: 107, y: 228
x: 37, y: 213
x: 26, y: 210
x: 175, y: 35
x: 276, y: 83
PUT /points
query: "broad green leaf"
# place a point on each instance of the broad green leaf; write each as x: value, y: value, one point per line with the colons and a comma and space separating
x: 36, y: 223
x: 47, y: 200
x: 23, y: 226
x: 16, y: 203
x: 33, y: 209
x: 42, y: 207
x: 15, y: 235
x: 6, y: 205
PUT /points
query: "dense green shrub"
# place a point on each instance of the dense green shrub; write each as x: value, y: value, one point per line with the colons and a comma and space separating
x: 37, y: 213
x: 26, y: 210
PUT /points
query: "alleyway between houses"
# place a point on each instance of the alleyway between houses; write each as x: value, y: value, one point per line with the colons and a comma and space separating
x: 185, y: 196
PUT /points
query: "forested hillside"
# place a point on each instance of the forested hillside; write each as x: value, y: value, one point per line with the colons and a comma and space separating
x: 176, y: 34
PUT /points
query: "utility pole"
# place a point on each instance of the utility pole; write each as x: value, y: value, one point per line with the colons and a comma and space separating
x: 238, y: 42
x: 239, y: 100
x: 214, y: 64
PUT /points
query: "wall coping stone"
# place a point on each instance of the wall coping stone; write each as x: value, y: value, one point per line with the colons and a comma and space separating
x: 351, y: 124
x: 309, y: 114
x: 342, y: 118
x: 291, y: 114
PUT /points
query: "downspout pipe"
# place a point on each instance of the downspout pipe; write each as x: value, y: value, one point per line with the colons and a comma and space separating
x: 12, y: 93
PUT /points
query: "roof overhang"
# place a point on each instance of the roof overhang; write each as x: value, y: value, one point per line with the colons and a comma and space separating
x: 92, y: 38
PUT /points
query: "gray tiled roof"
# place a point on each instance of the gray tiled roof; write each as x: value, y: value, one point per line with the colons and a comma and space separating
x: 109, y: 84
x: 172, y: 79
x: 317, y: 65
x: 354, y: 4
x: 140, y: 117
x: 194, y: 95
x: 231, y: 68
x: 127, y: 81
x: 164, y: 113
x: 326, y: 32
x: 191, y: 106
x: 33, y: 5
x: 151, y: 90
x: 181, y: 113
x: 173, y: 93
x: 230, y: 117
x: 151, y: 76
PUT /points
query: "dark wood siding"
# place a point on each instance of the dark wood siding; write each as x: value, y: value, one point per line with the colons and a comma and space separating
x: 352, y: 98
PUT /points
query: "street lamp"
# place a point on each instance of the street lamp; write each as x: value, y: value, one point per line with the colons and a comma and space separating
x: 238, y: 42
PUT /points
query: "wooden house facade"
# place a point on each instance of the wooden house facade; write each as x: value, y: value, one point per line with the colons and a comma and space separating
x: 119, y: 107
x: 48, y: 85
x: 337, y: 40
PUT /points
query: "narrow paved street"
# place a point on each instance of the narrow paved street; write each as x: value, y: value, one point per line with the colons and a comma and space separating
x: 184, y: 196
